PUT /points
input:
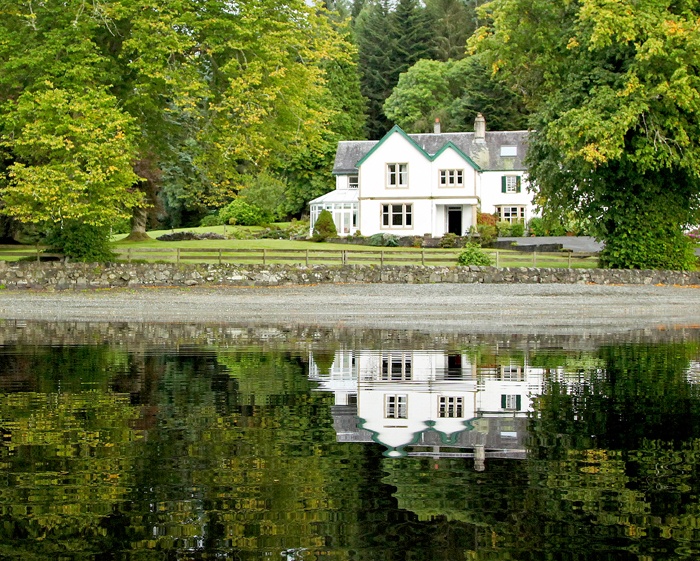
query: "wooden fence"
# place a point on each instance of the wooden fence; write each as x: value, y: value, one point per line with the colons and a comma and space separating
x: 375, y: 256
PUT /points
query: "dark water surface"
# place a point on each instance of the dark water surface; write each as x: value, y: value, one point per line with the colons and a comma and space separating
x: 146, y: 442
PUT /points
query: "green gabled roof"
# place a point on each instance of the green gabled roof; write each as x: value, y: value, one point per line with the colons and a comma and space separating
x: 399, y: 130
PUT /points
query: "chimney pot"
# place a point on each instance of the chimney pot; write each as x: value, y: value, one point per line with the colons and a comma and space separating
x: 436, y: 126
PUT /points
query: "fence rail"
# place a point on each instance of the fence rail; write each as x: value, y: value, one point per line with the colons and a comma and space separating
x: 378, y: 256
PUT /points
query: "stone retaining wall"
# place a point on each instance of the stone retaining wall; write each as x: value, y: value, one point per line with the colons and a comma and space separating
x: 62, y: 276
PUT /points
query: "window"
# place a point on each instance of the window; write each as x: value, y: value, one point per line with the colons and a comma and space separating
x: 396, y: 406
x: 509, y: 150
x: 397, y: 216
x: 451, y: 407
x: 511, y: 402
x: 397, y: 175
x: 353, y: 182
x: 451, y: 178
x: 512, y: 374
x: 510, y: 184
x: 511, y: 213
x: 396, y: 366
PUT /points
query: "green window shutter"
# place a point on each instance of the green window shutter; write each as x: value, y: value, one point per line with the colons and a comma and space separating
x: 503, y: 402
x: 518, y: 402
x: 503, y: 184
x: 517, y: 184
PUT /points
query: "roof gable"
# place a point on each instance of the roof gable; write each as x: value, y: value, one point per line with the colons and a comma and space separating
x: 482, y: 155
x: 396, y: 129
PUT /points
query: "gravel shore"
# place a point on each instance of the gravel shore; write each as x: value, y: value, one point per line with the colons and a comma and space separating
x: 467, y: 308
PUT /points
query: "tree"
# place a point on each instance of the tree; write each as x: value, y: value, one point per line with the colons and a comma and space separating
x: 454, y: 92
x: 210, y: 95
x: 389, y: 40
x: 614, y: 89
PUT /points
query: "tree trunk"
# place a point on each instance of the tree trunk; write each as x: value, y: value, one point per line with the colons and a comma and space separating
x: 138, y: 225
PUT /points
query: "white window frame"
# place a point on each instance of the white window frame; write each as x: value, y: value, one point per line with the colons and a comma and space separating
x: 396, y: 406
x: 451, y: 407
x: 402, y: 212
x: 451, y: 178
x: 511, y: 184
x: 511, y: 402
x: 397, y: 176
x: 511, y: 213
x: 397, y: 366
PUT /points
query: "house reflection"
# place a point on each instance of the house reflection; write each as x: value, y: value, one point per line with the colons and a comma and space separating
x: 431, y: 403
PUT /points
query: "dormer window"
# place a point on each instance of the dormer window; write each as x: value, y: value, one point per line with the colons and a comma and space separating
x: 353, y: 182
x: 509, y: 150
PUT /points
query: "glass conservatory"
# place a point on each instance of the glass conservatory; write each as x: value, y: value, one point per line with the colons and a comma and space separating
x: 343, y: 205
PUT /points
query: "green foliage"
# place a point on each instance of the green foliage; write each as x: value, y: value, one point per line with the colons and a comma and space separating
x: 324, y: 227
x: 212, y: 220
x: 266, y: 192
x: 383, y: 240
x: 473, y: 255
x: 449, y: 240
x: 72, y: 155
x: 503, y: 227
x: 82, y: 242
x: 487, y: 233
x: 390, y: 37
x: 634, y: 247
x: 243, y: 213
x: 613, y: 88
x: 517, y: 229
x: 454, y: 91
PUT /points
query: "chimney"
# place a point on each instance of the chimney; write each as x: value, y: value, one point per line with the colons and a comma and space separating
x: 436, y: 126
x: 479, y: 128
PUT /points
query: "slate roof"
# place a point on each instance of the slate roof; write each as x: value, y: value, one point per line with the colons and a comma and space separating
x: 486, y: 154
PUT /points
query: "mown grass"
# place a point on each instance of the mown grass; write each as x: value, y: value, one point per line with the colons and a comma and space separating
x: 167, y: 251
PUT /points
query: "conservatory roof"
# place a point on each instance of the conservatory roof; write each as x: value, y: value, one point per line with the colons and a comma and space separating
x: 337, y: 196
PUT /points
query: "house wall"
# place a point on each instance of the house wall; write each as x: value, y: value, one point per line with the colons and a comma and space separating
x: 492, y: 195
x: 429, y: 200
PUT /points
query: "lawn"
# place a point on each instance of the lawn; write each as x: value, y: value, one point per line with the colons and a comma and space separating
x: 305, y: 252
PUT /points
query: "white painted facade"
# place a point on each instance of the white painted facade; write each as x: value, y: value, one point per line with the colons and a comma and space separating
x: 413, y: 185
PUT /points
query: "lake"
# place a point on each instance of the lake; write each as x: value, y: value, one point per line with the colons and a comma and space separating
x: 193, y: 442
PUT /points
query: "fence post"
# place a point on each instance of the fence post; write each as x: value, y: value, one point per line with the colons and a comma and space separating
x: 264, y: 257
x: 177, y: 256
x: 37, y: 252
x: 381, y: 258
x: 534, y: 259
x: 569, y: 260
x: 307, y: 257
x: 128, y: 255
x: 422, y: 257
x: 220, y: 254
x: 497, y: 258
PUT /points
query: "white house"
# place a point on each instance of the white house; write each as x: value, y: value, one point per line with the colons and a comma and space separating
x: 417, y: 184
x: 420, y: 399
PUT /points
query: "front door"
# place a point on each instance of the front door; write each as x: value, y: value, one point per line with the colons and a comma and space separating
x: 454, y: 220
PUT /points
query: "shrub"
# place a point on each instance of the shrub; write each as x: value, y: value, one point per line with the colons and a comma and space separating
x: 517, y: 229
x: 473, y: 255
x: 487, y: 233
x: 383, y: 240
x: 324, y: 227
x: 212, y: 220
x: 504, y: 228
x: 243, y: 213
x: 82, y: 242
x: 483, y: 218
x: 448, y: 240
x: 536, y: 226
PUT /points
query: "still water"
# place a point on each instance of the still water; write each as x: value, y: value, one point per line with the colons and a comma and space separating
x: 150, y: 442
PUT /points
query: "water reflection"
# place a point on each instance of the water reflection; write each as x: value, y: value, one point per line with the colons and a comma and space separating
x: 223, y: 443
